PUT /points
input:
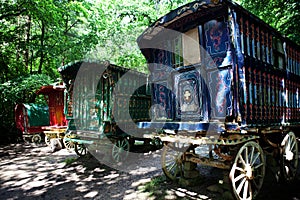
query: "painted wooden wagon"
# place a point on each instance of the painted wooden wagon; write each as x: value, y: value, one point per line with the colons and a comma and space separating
x: 43, y: 120
x: 223, y: 79
x: 103, y: 104
x: 29, y: 119
x: 54, y: 95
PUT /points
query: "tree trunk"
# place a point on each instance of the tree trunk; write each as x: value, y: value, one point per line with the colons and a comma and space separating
x: 42, y: 48
x: 26, y: 56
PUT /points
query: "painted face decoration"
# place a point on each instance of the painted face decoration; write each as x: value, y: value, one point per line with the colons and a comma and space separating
x: 215, y: 36
x: 187, y: 96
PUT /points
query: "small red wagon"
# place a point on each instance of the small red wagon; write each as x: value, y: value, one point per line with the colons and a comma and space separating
x: 30, y: 118
x: 34, y: 120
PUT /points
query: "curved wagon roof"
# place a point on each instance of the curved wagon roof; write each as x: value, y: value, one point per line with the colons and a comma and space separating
x: 192, y: 14
x: 69, y: 72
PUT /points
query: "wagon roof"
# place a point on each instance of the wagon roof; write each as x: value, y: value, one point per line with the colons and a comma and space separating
x: 190, y: 15
x: 46, y: 89
x: 69, y: 71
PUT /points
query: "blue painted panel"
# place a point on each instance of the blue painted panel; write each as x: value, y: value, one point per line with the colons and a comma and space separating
x: 187, y: 90
x: 163, y: 100
x: 219, y: 85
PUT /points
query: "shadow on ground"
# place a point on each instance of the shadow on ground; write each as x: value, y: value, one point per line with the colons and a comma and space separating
x: 29, y: 171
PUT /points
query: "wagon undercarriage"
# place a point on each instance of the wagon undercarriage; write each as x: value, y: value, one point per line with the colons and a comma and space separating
x: 112, y: 148
x: 243, y: 153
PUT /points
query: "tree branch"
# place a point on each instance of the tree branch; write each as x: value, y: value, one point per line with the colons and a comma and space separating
x: 13, y: 14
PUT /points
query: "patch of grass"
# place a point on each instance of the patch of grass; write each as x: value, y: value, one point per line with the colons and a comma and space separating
x: 156, y: 187
x: 69, y: 161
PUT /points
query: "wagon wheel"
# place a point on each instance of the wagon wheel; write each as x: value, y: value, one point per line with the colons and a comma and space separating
x: 47, y: 140
x: 68, y: 143
x: 120, y: 150
x: 36, y: 138
x: 80, y: 149
x: 172, y: 161
x: 25, y: 139
x: 248, y: 171
x: 289, y: 157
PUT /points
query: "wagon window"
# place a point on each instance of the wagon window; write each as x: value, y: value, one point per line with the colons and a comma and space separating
x: 177, y: 59
x: 191, y: 48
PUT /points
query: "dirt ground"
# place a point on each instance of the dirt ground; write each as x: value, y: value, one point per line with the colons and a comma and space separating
x: 30, y: 171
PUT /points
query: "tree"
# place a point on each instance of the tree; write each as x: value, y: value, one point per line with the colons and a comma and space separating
x: 283, y: 15
x: 19, y: 90
x: 38, y: 36
x: 126, y: 20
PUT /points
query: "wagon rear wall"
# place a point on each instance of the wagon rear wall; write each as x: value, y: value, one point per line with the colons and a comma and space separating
x: 103, y: 95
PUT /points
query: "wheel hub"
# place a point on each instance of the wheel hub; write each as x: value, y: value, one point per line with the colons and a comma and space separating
x: 289, y: 155
x: 248, y: 171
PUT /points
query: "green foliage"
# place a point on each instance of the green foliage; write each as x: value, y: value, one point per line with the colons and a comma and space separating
x: 156, y: 187
x: 19, y: 90
x: 281, y: 14
x: 125, y: 21
x: 70, y: 161
x: 38, y: 36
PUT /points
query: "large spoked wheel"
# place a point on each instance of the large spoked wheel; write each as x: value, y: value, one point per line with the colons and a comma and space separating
x: 289, y: 158
x: 68, y: 143
x: 36, y: 139
x: 120, y: 150
x: 172, y: 160
x: 248, y: 171
x: 80, y: 149
x: 26, y: 139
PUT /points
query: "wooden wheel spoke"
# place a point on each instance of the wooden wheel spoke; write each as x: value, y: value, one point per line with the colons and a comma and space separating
x: 116, y: 157
x: 120, y: 150
x: 239, y: 169
x: 242, y: 159
x: 259, y: 165
x: 171, y: 167
x: 170, y: 162
x: 80, y: 149
x: 254, y: 183
x: 246, y: 156
x: 239, y: 177
x: 292, y: 145
x: 246, y: 189
x: 251, y: 156
x: 239, y: 188
x: 123, y: 144
x: 254, y: 160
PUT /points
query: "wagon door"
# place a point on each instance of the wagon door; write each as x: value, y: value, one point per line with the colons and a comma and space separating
x: 88, y: 97
x: 187, y: 78
x: 217, y: 67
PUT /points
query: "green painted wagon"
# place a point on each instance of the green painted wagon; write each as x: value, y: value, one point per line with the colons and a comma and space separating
x: 104, y: 102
